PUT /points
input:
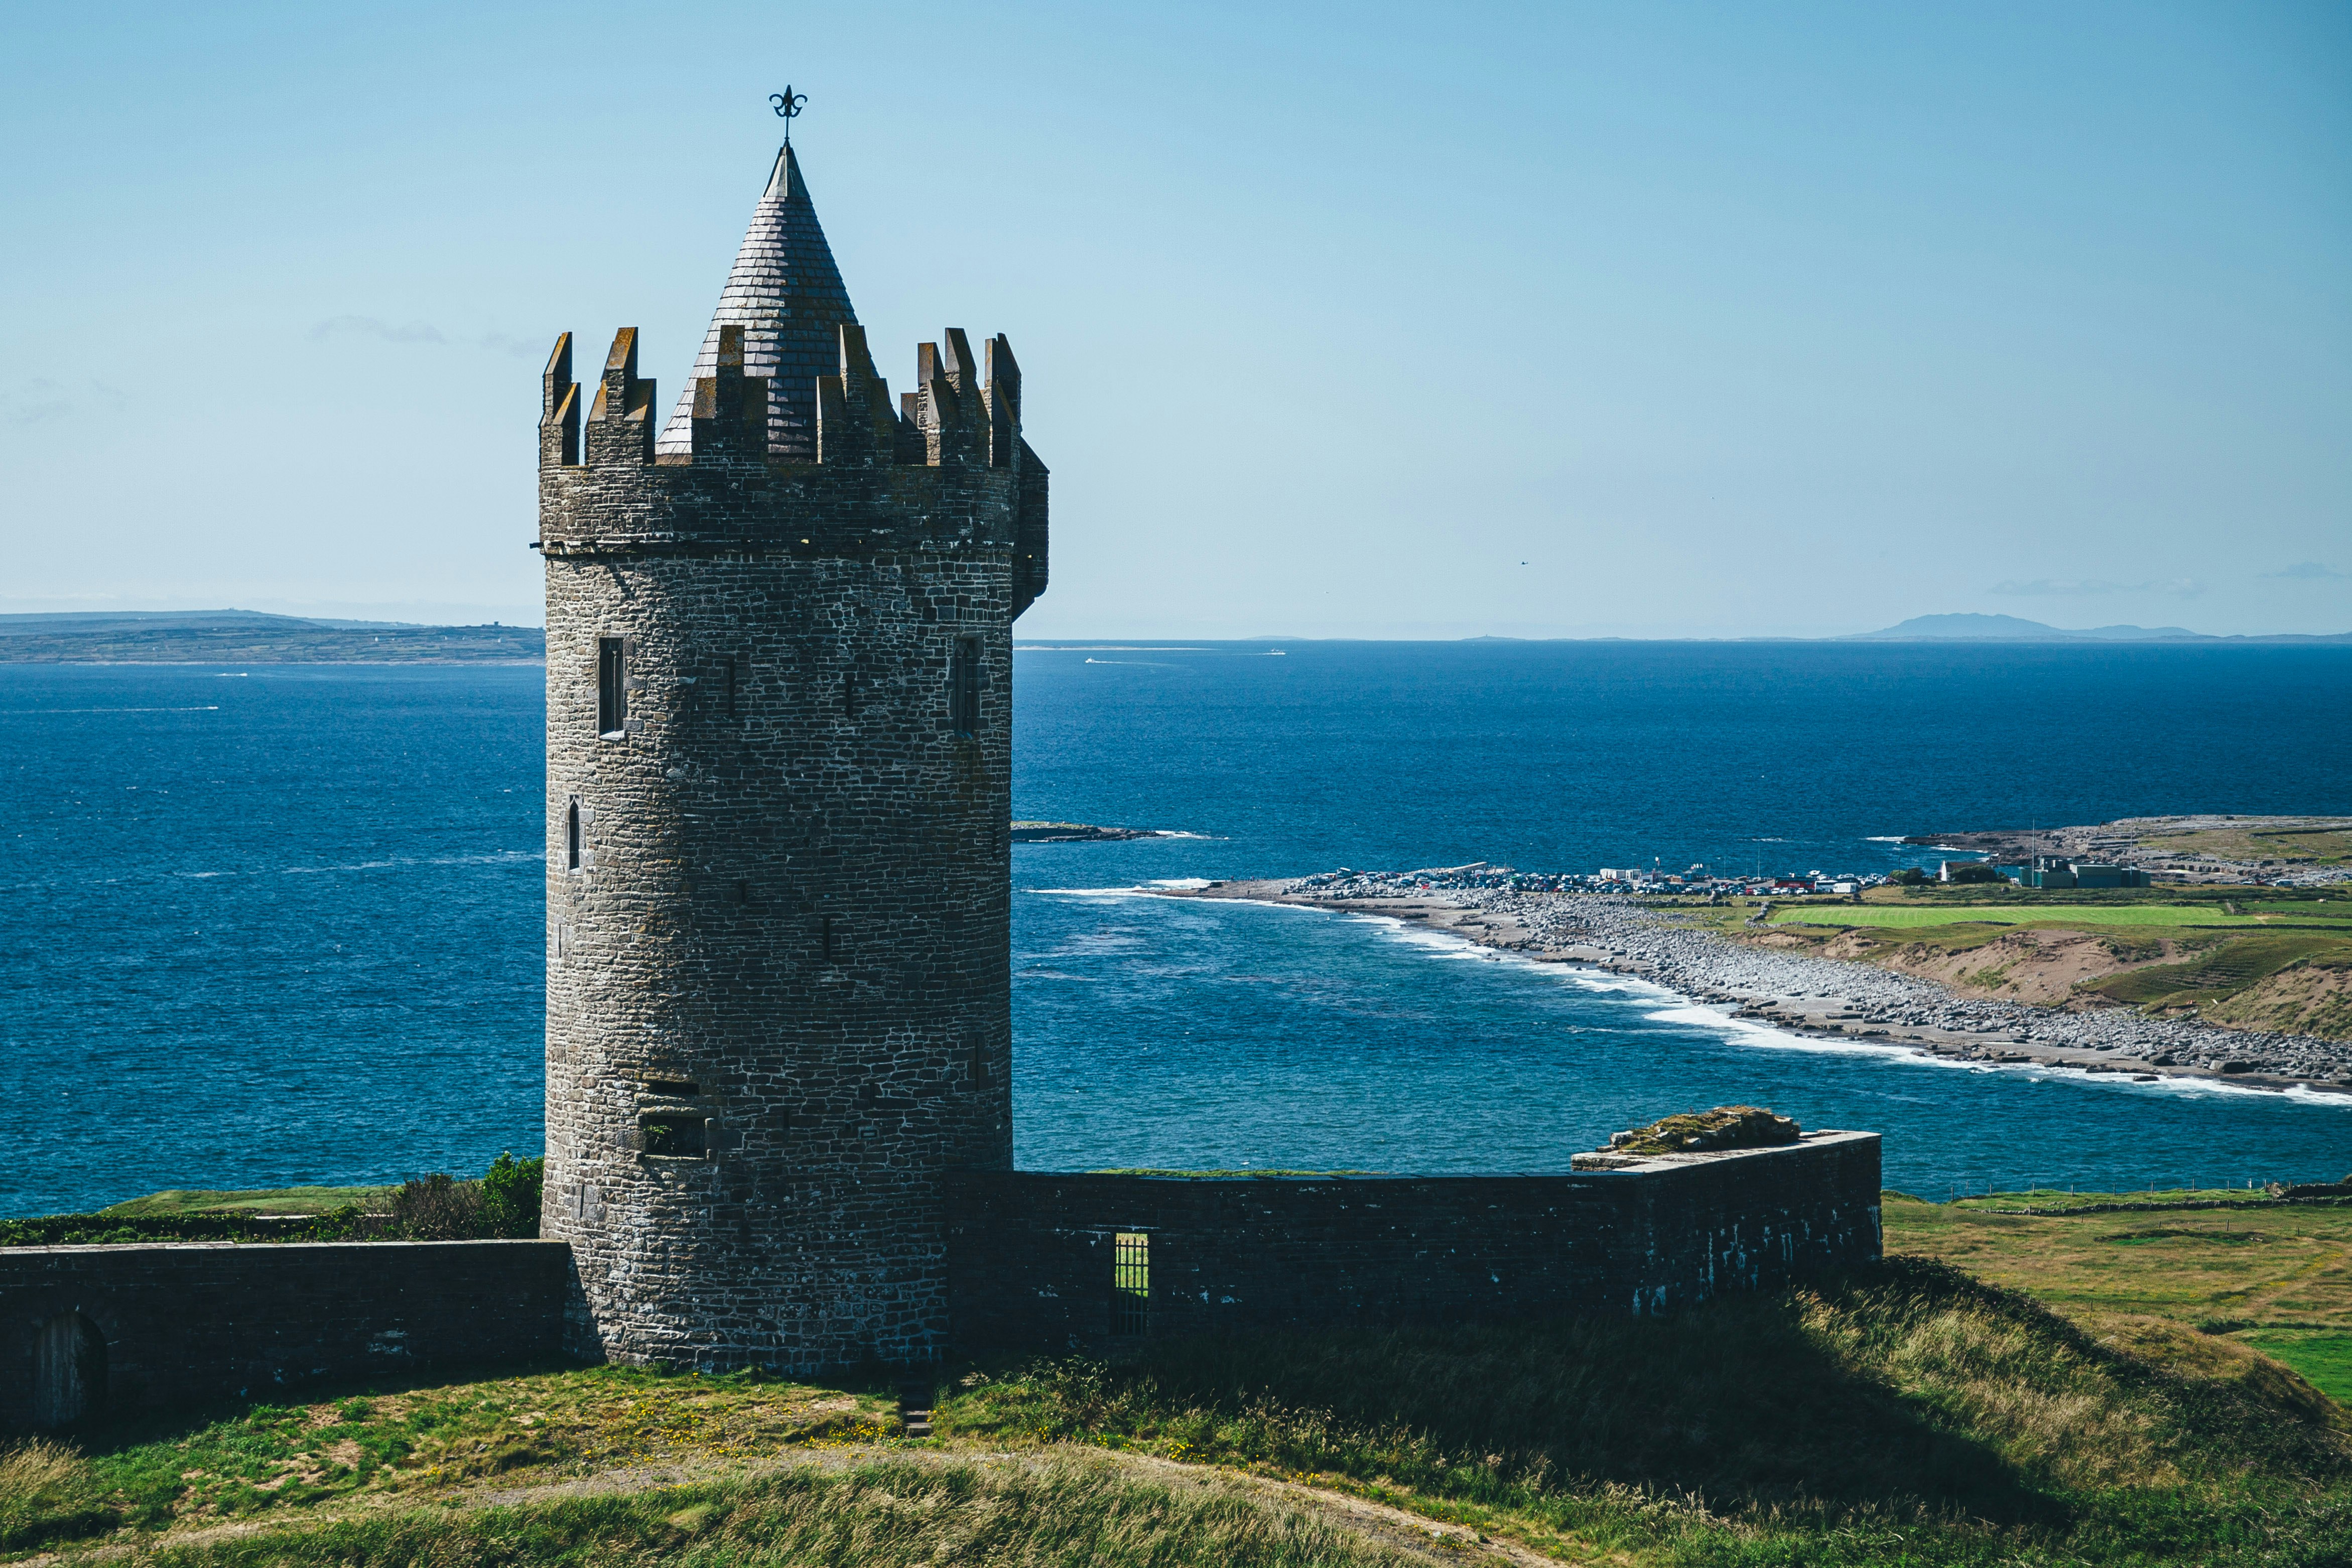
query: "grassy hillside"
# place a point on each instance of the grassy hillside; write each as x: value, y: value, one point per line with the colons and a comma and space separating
x: 884, y: 1513
x: 2295, y: 846
x: 2279, y: 960
x: 1911, y: 1414
x: 2210, y: 1283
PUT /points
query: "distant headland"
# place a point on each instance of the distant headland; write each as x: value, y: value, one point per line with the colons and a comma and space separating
x: 2010, y: 629
x: 211, y: 637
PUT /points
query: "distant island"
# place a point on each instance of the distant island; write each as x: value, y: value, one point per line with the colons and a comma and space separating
x: 216, y: 637
x: 1077, y: 833
x: 2010, y: 628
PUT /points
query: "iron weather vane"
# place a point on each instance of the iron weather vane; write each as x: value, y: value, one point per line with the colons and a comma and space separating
x: 787, y: 105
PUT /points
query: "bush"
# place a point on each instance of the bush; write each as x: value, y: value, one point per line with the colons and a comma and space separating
x: 437, y: 1207
x: 1910, y: 876
x: 440, y: 1207
x: 511, y: 1195
x: 1977, y: 871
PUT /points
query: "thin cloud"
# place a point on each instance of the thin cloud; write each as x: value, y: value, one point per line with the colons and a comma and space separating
x: 2094, y: 587
x: 41, y: 400
x: 36, y: 402
x: 509, y: 345
x: 418, y: 332
x: 376, y: 327
x: 2069, y: 587
x: 2308, y: 571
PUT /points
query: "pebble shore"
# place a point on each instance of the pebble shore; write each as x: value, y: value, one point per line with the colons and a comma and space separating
x: 1814, y: 996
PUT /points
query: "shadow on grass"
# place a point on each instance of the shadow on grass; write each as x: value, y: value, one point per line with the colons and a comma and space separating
x: 106, y: 1433
x: 1909, y: 1386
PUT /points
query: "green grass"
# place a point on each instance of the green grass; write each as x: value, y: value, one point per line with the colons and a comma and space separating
x: 2072, y: 917
x: 270, y: 1458
x: 2232, y: 961
x: 885, y: 1514
x: 2274, y: 1279
x: 2323, y: 846
x: 2221, y: 974
x: 2158, y: 1198
x: 501, y: 1202
x: 2324, y: 1358
x: 276, y: 1200
x: 2255, y: 1267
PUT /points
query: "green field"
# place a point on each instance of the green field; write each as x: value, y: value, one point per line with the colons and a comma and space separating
x: 274, y: 1201
x: 2279, y: 963
x: 2069, y: 916
x: 2278, y: 1279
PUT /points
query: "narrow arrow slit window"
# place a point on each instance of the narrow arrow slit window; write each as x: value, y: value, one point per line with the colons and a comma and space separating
x: 612, y: 688
x: 964, y: 680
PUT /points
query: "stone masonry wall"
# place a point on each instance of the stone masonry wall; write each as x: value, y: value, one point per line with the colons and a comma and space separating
x: 789, y: 930
x: 1030, y: 1254
x: 193, y: 1321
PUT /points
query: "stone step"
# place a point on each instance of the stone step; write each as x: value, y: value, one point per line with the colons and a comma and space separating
x: 915, y: 1408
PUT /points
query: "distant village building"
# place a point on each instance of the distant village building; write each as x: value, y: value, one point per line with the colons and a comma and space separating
x: 2057, y: 871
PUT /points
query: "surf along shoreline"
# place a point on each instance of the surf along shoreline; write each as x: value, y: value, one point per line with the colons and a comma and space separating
x: 1802, y: 995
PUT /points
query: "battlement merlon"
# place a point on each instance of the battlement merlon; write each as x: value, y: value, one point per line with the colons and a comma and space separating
x: 729, y: 417
x: 855, y: 422
x: 559, y: 409
x: 621, y: 421
x: 1003, y: 393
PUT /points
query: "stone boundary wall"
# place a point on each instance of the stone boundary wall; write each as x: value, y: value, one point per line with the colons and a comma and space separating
x: 1030, y: 1255
x: 178, y: 1323
x: 1029, y: 1262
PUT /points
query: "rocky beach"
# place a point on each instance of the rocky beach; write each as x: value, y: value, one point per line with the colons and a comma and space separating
x: 1802, y: 995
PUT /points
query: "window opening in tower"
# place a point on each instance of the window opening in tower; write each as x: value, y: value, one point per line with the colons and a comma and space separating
x: 963, y: 682
x: 612, y: 688
x: 673, y: 1134
x: 1130, y: 1283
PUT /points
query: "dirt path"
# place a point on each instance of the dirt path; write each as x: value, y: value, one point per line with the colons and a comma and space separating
x: 1427, y: 1540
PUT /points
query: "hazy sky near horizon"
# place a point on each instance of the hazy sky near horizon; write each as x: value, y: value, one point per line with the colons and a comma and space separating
x: 1705, y: 320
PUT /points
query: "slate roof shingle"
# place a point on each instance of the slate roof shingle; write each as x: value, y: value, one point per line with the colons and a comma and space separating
x: 786, y: 294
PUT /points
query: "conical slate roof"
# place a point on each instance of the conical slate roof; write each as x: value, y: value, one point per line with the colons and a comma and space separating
x: 786, y: 294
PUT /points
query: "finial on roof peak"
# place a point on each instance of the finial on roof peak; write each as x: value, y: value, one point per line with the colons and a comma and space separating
x: 787, y: 105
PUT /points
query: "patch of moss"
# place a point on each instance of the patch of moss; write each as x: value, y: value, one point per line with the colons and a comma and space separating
x: 1704, y: 1132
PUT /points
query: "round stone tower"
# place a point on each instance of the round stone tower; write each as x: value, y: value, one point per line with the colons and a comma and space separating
x: 779, y: 727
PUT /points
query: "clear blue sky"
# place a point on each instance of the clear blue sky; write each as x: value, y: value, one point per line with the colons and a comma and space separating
x: 1704, y: 319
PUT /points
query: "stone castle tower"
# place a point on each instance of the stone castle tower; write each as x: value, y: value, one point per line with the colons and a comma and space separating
x: 779, y: 726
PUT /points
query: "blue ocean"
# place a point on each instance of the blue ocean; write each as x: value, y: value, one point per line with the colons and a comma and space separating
x: 266, y: 926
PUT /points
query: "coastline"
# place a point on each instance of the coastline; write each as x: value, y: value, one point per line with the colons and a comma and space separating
x: 1815, y: 998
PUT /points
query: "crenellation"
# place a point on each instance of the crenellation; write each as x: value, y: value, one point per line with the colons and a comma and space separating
x: 730, y: 420
x: 559, y: 413
x: 620, y: 421
x: 1003, y: 400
